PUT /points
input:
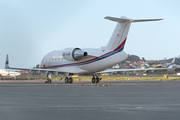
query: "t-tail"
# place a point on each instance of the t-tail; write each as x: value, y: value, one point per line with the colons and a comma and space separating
x: 119, y: 36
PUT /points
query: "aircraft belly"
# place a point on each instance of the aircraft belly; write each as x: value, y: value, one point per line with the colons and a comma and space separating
x: 104, y: 63
x: 87, y: 66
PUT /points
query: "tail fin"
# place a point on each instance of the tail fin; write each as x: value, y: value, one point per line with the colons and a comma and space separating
x: 7, y: 62
x: 119, y: 36
x: 172, y: 63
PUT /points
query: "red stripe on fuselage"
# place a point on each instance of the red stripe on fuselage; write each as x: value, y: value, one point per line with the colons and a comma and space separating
x: 119, y: 47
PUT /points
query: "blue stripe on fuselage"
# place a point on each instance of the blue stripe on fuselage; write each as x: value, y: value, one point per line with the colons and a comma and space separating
x: 90, y: 61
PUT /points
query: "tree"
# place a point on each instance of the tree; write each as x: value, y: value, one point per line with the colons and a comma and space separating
x: 132, y: 58
x: 143, y: 59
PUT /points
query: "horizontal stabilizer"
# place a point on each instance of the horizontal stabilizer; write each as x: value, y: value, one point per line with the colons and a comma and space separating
x: 146, y: 20
x: 120, y: 20
x: 124, y: 19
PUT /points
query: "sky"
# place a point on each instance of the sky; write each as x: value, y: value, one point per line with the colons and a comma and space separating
x: 29, y: 29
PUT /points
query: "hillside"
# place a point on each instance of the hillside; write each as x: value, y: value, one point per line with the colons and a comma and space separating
x: 135, y: 58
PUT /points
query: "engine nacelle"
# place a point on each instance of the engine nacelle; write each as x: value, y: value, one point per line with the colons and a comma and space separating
x: 73, y: 54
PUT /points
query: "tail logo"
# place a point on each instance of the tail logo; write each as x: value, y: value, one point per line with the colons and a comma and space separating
x: 118, y: 33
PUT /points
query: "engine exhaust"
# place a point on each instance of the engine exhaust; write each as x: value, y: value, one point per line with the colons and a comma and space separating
x: 78, y: 54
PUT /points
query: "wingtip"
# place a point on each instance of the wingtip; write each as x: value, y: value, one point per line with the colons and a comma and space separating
x: 161, y: 19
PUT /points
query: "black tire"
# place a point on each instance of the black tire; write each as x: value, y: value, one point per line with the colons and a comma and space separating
x: 47, y: 81
x: 66, y: 80
x: 97, y: 80
x: 93, y: 80
x: 70, y: 80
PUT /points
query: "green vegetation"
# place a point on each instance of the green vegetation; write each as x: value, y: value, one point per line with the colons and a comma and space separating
x: 139, y: 78
x: 132, y: 58
x: 177, y: 61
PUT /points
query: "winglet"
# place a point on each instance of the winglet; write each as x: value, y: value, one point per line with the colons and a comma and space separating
x: 7, y: 62
x: 172, y: 63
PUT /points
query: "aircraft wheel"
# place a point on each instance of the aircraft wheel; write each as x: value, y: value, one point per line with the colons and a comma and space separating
x: 48, y: 78
x: 66, y: 80
x: 70, y: 80
x: 93, y: 80
x: 97, y: 80
x: 48, y: 81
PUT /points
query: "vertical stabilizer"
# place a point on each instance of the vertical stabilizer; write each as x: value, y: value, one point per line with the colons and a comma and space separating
x: 120, y: 33
x: 172, y: 63
x: 119, y: 36
x: 7, y: 62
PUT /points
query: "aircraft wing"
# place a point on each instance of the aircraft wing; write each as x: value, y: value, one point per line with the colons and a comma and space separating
x: 53, y: 71
x: 134, y: 70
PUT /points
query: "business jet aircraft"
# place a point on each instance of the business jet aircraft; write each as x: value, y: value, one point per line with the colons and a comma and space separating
x: 78, y: 61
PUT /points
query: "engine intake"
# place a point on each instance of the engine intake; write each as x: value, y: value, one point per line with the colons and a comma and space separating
x: 72, y: 54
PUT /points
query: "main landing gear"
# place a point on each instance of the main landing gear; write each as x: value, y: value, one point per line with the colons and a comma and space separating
x: 96, y: 79
x: 69, y: 80
x: 48, y: 78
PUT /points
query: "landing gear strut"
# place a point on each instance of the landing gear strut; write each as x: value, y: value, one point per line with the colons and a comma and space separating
x: 96, y: 79
x: 48, y: 78
x: 69, y: 80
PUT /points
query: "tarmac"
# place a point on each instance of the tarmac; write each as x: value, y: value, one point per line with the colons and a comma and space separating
x: 116, y: 100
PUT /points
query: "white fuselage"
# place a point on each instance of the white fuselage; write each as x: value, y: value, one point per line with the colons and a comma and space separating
x: 5, y: 73
x: 101, y: 61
